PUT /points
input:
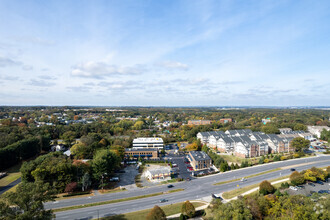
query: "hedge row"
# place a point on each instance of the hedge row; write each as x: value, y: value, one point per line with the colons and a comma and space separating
x: 22, y: 150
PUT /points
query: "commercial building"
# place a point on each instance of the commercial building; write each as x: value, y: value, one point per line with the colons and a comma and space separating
x: 199, y: 122
x: 143, y: 143
x: 225, y: 120
x: 156, y: 174
x: 145, y: 153
x: 199, y: 160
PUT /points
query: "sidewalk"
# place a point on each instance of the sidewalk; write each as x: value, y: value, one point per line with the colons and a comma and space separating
x: 197, y: 209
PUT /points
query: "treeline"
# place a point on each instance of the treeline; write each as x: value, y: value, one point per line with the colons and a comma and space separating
x: 67, y: 175
x: 22, y: 150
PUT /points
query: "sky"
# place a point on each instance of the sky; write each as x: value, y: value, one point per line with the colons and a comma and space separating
x: 165, y: 53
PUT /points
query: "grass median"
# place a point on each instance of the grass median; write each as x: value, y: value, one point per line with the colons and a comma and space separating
x: 239, y: 191
x: 115, y: 201
x: 13, y: 174
x: 254, y: 175
x: 141, y: 215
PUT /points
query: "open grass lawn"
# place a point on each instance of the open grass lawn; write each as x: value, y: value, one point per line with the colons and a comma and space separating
x: 141, y: 215
x: 115, y: 201
x: 233, y: 159
x: 13, y: 174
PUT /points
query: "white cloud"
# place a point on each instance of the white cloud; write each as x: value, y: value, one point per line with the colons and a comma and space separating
x: 4, y: 62
x: 173, y: 65
x: 102, y: 69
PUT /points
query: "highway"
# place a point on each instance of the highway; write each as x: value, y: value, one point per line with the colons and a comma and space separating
x: 195, y: 189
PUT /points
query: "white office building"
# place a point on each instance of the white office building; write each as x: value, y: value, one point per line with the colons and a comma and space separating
x: 140, y: 143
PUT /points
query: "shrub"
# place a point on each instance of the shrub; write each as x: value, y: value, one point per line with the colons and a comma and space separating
x: 285, y: 185
x: 156, y: 213
x: 188, y: 209
x: 283, y: 158
x: 266, y: 187
x: 296, y: 155
x: 71, y: 187
x: 266, y: 161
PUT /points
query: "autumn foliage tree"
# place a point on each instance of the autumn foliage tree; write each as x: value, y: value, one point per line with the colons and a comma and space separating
x: 297, y: 178
x: 156, y: 213
x: 71, y: 187
x: 266, y: 187
x: 188, y: 209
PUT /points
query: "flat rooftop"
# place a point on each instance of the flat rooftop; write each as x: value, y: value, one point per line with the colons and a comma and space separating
x: 148, y: 140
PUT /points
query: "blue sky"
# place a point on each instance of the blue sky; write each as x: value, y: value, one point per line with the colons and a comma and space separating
x: 165, y: 53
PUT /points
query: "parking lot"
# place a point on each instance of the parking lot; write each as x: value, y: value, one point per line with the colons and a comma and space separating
x: 181, y: 167
x: 307, y: 189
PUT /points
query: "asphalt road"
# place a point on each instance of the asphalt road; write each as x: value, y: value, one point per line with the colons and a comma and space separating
x: 10, y: 185
x: 195, y: 189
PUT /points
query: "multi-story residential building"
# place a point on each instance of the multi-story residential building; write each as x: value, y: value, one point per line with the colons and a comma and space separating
x: 316, y: 130
x: 245, y: 143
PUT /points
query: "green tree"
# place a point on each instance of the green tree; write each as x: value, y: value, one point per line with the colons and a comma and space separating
x: 156, y: 213
x: 299, y: 143
x: 300, y: 127
x: 266, y: 187
x: 104, y: 162
x: 28, y: 202
x: 297, y: 178
x: 188, y: 209
x: 69, y: 137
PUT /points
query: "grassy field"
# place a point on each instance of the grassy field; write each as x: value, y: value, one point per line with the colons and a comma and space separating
x: 13, y: 174
x: 141, y: 215
x: 114, y: 201
x: 254, y: 175
x: 239, y: 191
x: 233, y: 159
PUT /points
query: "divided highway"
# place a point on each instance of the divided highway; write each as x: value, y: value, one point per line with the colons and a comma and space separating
x: 195, y: 189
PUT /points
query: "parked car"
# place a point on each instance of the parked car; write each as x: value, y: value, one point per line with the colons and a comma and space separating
x: 300, y: 187
x: 311, y: 184
x: 323, y: 191
x: 163, y: 200
x: 114, y: 179
x: 320, y: 182
x: 292, y: 169
x: 293, y: 188
x: 170, y: 186
x: 188, y: 179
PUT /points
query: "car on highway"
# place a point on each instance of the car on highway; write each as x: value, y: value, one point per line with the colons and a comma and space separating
x: 170, y: 186
x: 163, y: 200
x: 243, y: 179
x: 292, y: 169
